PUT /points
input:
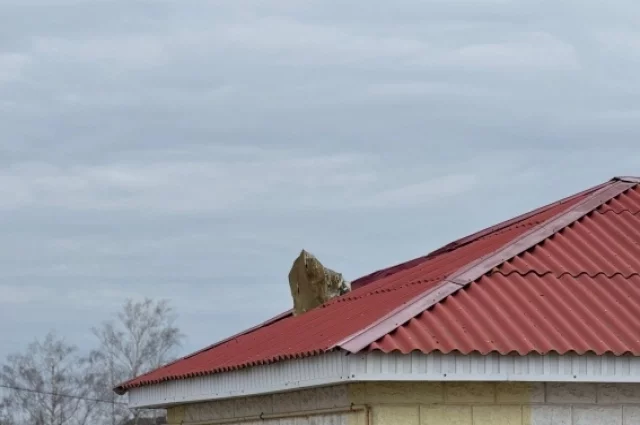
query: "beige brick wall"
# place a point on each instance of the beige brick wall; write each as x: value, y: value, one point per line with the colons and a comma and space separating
x: 435, y: 403
x: 334, y: 397
x: 482, y: 403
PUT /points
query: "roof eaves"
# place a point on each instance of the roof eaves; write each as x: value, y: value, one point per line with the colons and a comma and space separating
x: 471, y: 272
x: 123, y: 387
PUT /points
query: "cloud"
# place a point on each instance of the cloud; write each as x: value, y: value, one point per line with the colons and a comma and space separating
x: 412, y: 89
x: 279, y: 40
x: 113, y: 99
x: 190, y: 186
x: 421, y: 193
x: 133, y: 52
x: 189, y: 149
x: 13, y: 294
x: 623, y: 43
x: 12, y: 66
x: 317, y: 43
x: 531, y: 52
x: 265, y: 182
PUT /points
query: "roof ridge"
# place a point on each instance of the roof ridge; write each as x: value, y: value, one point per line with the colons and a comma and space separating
x: 627, y: 179
x: 391, y: 270
x: 475, y: 269
x: 500, y: 226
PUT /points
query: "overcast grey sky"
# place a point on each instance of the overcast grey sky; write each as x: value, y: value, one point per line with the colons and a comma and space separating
x: 189, y: 149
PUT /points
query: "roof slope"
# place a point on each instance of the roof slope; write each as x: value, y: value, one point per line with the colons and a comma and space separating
x: 562, y: 278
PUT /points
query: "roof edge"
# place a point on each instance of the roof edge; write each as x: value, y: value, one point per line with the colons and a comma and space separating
x: 454, y: 366
x: 627, y: 179
x: 471, y: 272
x: 122, y: 388
x: 475, y: 236
x: 388, y: 271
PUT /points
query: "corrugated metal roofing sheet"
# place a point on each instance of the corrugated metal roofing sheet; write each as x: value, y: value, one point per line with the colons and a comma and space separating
x: 529, y: 304
x: 578, y: 290
x: 528, y: 314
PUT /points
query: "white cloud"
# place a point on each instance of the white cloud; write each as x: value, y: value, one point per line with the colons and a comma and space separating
x: 316, y: 42
x: 50, y: 2
x: 409, y: 89
x: 107, y: 298
x: 252, y: 179
x: 626, y: 44
x: 69, y: 296
x: 421, y: 193
x: 21, y: 294
x: 142, y: 98
x: 528, y: 52
x: 280, y: 40
x: 272, y: 181
x: 130, y: 52
x: 106, y: 108
x: 12, y: 66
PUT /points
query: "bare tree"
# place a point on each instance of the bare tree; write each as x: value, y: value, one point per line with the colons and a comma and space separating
x: 143, y: 337
x: 6, y: 417
x: 49, y: 385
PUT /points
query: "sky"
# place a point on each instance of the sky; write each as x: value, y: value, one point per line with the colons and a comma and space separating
x: 189, y: 149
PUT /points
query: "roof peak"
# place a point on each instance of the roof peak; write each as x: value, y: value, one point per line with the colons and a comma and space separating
x: 627, y: 179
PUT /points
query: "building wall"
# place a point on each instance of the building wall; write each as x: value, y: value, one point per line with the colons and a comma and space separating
x: 484, y: 403
x: 309, y: 401
x: 434, y: 403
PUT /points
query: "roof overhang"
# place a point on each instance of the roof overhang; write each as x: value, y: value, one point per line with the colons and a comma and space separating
x: 339, y: 367
x: 348, y: 357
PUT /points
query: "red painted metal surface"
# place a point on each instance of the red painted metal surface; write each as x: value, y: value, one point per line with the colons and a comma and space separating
x: 480, y: 267
x: 528, y: 314
x: 530, y: 304
x: 577, y: 291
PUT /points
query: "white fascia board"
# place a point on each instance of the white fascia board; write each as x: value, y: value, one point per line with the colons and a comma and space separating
x: 326, y: 369
x: 338, y: 368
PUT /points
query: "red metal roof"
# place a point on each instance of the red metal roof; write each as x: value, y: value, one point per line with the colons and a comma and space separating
x: 562, y: 278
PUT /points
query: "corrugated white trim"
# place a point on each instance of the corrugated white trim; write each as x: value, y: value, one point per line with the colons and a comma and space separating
x: 327, y: 369
x: 337, y: 367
